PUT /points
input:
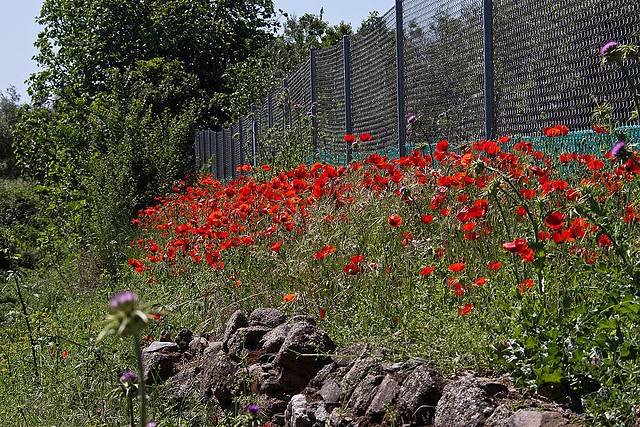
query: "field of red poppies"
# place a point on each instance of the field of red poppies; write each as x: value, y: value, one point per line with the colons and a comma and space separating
x: 487, y: 256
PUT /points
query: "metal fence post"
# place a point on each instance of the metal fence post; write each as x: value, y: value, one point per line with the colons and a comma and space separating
x: 269, y: 115
x: 224, y: 155
x: 347, y: 92
x: 196, y: 147
x: 402, y: 129
x: 232, y: 151
x: 240, y: 143
x: 488, y: 68
x: 254, y: 136
x: 207, y: 148
x: 216, y: 154
x: 285, y: 104
x: 312, y: 78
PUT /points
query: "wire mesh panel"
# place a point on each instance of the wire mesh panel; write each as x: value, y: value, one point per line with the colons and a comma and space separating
x: 373, y: 84
x: 330, y: 98
x: 547, y: 63
x: 444, y: 76
x: 299, y: 89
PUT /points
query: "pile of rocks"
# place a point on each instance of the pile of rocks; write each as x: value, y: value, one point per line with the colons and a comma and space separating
x: 300, y: 379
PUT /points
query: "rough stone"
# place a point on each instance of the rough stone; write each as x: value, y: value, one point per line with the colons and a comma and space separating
x: 218, y: 377
x: 363, y: 393
x: 385, y: 395
x: 245, y: 339
x: 331, y: 392
x: 301, y: 318
x: 269, y: 317
x: 197, y: 345
x: 528, y: 418
x: 183, y: 338
x: 273, y: 340
x: 158, y: 361
x: 304, y: 339
x: 463, y: 403
x: 181, y: 385
x: 420, y: 388
x: 237, y: 320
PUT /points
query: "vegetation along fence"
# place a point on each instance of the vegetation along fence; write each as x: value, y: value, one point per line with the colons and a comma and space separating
x: 429, y: 59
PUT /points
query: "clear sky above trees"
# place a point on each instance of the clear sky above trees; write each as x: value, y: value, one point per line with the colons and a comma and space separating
x: 18, y: 30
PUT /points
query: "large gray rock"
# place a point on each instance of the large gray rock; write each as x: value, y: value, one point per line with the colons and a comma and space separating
x: 363, y: 393
x: 464, y: 403
x: 158, y: 361
x: 273, y: 340
x: 421, y: 388
x: 269, y: 317
x: 245, y: 339
x: 236, y: 321
x: 384, y: 398
x: 300, y: 413
x: 527, y: 418
x: 218, y: 377
x: 303, y: 350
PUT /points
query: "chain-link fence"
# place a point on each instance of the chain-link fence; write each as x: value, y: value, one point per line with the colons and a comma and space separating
x: 546, y: 71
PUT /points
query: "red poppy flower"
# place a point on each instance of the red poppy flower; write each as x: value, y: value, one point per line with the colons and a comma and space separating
x: 427, y: 270
x: 494, y: 265
x: 365, y: 137
x: 480, y: 281
x: 288, y: 297
x: 137, y: 265
x: 426, y: 218
x: 275, y: 247
x: 456, y: 267
x: 466, y: 309
x: 521, y: 211
x: 322, y: 313
x: 357, y: 258
x: 350, y: 139
x: 600, y: 130
x: 555, y: 221
x: 604, y: 241
x: 525, y: 285
x: 351, y: 269
x: 442, y: 146
x: 517, y: 245
x: 395, y: 220
x: 470, y: 226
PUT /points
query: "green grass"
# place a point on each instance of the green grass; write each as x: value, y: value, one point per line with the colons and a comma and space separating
x: 387, y: 302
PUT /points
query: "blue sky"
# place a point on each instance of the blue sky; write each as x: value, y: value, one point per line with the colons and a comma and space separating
x: 18, y: 30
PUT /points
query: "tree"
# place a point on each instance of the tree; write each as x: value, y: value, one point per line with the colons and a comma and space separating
x: 9, y: 104
x: 84, y: 40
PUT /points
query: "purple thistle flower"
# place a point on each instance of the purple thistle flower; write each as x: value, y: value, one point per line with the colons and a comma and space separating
x: 123, y: 299
x: 252, y: 409
x: 608, y: 46
x: 128, y: 376
x: 615, y: 150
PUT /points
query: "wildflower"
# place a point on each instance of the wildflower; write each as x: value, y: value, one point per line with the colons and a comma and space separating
x: 479, y: 281
x: 615, y: 150
x: 350, y: 139
x: 128, y: 377
x: 457, y: 267
x: 357, y: 258
x: 128, y: 318
x: 466, y: 309
x: 555, y: 221
x: 252, y: 409
x: 524, y: 286
x: 598, y: 129
x: 365, y: 137
x: 411, y: 119
x: 494, y: 265
x: 124, y: 301
x: 395, y: 220
x: 288, y: 297
x: 351, y: 269
x: 427, y: 270
x: 275, y: 247
x: 607, y: 47
x: 426, y: 218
